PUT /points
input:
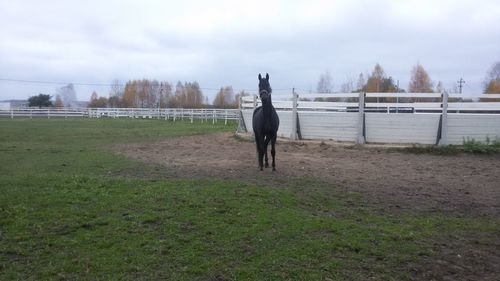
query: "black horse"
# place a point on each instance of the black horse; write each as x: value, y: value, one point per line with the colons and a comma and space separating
x: 265, y: 123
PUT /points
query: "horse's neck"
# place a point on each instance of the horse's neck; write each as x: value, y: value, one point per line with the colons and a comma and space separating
x: 267, y: 108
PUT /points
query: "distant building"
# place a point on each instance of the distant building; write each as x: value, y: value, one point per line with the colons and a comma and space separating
x: 82, y: 103
x: 14, y: 103
x: 4, y: 105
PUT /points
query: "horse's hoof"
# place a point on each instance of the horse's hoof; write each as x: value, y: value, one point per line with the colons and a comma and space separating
x: 261, y: 169
x: 274, y: 169
x: 266, y: 166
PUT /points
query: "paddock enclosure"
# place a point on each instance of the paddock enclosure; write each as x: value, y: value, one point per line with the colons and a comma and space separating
x: 402, y: 118
x: 147, y: 199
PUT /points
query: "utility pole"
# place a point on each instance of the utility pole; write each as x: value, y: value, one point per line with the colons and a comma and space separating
x: 460, y: 82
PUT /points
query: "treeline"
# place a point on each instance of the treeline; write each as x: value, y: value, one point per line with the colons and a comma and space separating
x: 420, y: 82
x: 147, y: 93
x: 152, y: 93
x: 226, y: 98
x: 379, y: 82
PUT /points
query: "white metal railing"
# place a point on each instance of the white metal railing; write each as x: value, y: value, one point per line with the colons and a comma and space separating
x: 204, y: 114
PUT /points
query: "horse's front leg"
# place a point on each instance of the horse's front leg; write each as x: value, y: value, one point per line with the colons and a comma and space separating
x: 259, y: 143
x: 266, y: 143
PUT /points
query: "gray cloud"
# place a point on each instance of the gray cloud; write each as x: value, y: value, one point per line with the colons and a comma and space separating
x: 222, y: 43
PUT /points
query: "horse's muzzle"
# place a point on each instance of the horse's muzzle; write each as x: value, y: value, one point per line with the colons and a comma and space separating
x: 264, y: 94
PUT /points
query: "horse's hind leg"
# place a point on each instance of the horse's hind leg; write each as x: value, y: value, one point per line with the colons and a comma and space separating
x: 273, y: 151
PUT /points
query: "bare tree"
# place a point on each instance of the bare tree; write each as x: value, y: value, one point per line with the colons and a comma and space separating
x: 165, y: 94
x: 439, y: 87
x: 116, y: 94
x: 325, y: 83
x: 187, y: 95
x: 68, y: 95
x: 195, y: 96
x: 360, y: 85
x: 225, y: 98
x: 116, y: 89
x: 154, y: 94
x: 347, y: 86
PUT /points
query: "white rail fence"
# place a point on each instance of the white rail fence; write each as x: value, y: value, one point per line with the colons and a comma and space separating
x: 419, y: 118
x: 204, y: 114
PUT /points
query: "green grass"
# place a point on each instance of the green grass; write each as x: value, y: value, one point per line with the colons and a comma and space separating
x: 488, y: 147
x: 469, y: 146
x: 428, y: 149
x: 79, y: 146
x: 65, y: 214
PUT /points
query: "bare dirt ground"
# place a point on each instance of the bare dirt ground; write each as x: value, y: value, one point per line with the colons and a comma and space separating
x: 466, y: 184
x: 393, y: 182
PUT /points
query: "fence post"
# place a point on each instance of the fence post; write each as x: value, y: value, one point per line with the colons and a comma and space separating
x: 293, y: 134
x: 48, y: 113
x: 361, y: 119
x: 225, y: 117
x: 11, y: 113
x: 241, y: 121
x: 444, y: 120
x: 192, y: 115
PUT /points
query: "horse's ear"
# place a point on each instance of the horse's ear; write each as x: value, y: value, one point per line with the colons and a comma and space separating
x: 267, y: 76
x: 260, y: 77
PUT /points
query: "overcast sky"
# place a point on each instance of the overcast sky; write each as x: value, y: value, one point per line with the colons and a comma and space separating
x: 220, y: 43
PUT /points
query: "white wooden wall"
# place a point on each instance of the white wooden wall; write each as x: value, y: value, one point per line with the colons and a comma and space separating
x: 339, y: 126
x: 473, y: 126
x: 331, y: 116
x: 402, y: 127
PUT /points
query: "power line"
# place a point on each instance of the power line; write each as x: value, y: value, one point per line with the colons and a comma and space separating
x: 53, y: 82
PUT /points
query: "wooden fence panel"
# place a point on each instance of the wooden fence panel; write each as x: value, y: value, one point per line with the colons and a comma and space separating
x: 473, y: 126
x: 339, y: 126
x: 402, y: 128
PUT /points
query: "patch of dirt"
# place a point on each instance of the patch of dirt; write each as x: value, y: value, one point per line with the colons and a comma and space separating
x: 461, y: 258
x: 466, y: 184
x: 463, y: 185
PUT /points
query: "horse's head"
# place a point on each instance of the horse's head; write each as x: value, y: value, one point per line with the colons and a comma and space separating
x: 264, y: 88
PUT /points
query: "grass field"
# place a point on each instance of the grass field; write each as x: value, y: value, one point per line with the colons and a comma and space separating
x: 70, y: 209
